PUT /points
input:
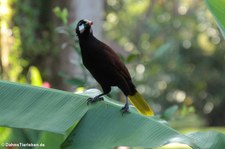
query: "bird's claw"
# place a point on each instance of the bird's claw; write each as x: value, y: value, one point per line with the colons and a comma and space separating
x: 93, y: 100
x: 125, y: 109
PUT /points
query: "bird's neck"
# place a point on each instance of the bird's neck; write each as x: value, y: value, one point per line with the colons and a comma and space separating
x: 85, y: 36
x: 85, y: 42
x: 84, y: 39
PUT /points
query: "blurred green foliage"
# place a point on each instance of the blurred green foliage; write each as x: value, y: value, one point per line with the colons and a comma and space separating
x: 179, y: 54
x: 33, y: 20
x: 62, y: 14
x: 26, y: 39
x: 173, y: 50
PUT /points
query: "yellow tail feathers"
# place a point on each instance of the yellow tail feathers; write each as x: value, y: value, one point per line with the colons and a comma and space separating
x: 139, y: 102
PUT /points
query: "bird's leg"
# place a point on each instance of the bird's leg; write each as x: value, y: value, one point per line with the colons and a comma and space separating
x: 95, y: 99
x: 125, y: 109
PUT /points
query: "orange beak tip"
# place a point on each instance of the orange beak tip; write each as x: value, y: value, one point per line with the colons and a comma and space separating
x: 90, y: 23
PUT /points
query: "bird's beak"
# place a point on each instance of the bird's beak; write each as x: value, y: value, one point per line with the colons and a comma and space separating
x: 90, y: 23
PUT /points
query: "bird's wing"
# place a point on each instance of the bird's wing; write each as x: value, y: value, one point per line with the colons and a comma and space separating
x: 115, y: 61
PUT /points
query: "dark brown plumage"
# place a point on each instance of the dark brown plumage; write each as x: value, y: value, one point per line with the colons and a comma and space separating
x: 105, y: 66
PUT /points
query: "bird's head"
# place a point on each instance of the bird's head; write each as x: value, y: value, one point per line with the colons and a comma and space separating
x: 84, y: 27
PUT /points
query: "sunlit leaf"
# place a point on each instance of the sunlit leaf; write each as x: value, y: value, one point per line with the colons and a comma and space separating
x: 50, y: 140
x: 61, y: 14
x: 4, y: 134
x: 35, y: 76
x: 217, y: 9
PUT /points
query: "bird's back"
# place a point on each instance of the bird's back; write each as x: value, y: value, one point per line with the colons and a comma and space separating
x: 103, y: 63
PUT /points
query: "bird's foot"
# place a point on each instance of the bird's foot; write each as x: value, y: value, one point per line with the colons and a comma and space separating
x: 125, y: 109
x: 95, y: 99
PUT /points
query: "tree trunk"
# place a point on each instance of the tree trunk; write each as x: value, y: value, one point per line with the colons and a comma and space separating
x: 78, y: 9
x: 91, y: 10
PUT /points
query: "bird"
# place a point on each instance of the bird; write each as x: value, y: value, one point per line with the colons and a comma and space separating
x: 107, y: 69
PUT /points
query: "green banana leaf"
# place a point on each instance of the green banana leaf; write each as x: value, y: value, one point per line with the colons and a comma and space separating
x: 23, y: 106
x: 103, y: 126
x: 57, y: 113
x: 209, y: 139
x: 217, y: 8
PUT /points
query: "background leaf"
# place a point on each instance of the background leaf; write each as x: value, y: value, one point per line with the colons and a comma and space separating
x: 217, y: 9
x: 75, y: 82
x: 50, y: 140
x: 169, y: 112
